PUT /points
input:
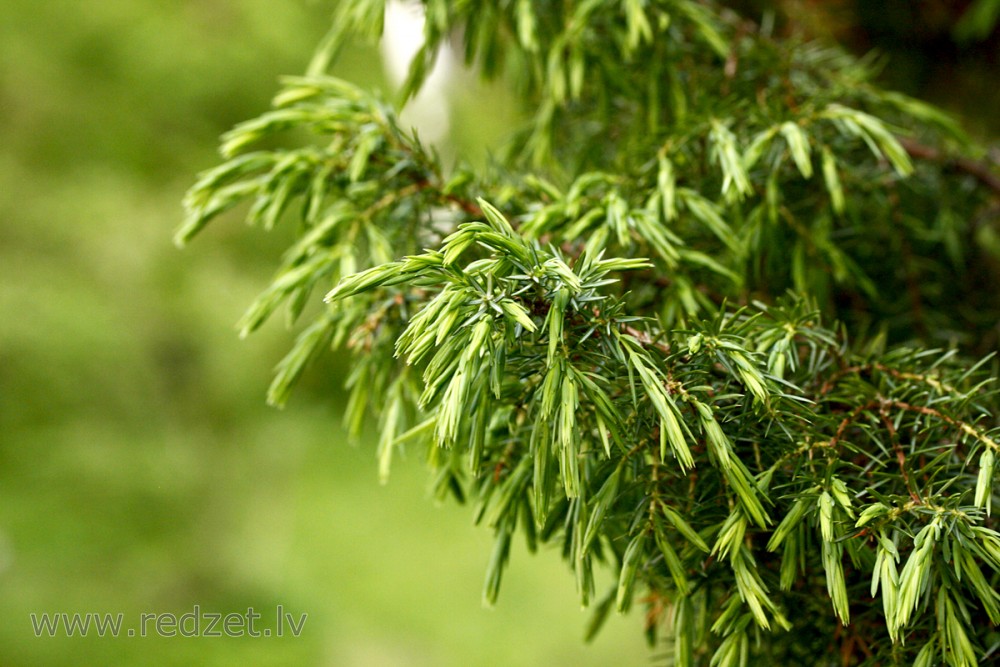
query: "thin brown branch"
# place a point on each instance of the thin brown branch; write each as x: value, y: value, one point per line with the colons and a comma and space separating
x: 464, y: 204
x: 467, y: 206
x: 979, y: 170
x: 645, y: 339
x: 850, y: 419
x: 884, y: 404
x: 962, y: 426
x: 832, y: 381
x: 900, y: 454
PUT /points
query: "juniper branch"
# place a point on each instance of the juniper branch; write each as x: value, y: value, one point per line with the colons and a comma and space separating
x: 712, y: 323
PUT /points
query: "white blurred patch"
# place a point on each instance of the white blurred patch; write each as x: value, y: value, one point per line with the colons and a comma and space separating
x: 402, y: 37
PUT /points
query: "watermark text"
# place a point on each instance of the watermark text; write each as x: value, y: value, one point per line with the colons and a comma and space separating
x: 195, y: 623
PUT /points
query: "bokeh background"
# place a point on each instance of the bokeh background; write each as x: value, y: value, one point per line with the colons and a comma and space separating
x: 140, y: 470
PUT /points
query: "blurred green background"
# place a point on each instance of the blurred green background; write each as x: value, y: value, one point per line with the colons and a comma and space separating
x: 140, y: 470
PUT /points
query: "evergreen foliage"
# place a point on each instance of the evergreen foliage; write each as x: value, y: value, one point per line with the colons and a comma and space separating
x: 719, y: 319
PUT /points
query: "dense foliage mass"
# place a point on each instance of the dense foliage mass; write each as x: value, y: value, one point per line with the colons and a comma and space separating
x: 712, y: 320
